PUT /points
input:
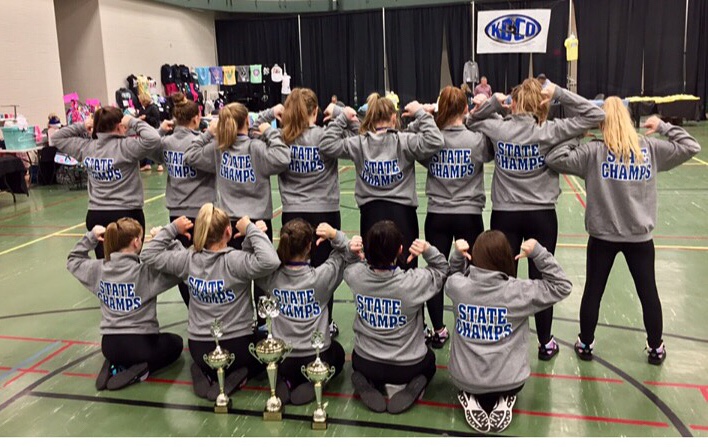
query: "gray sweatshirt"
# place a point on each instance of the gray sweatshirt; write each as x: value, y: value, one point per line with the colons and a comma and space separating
x: 621, y: 198
x: 126, y: 288
x: 111, y: 162
x: 303, y: 294
x: 311, y: 182
x: 522, y: 181
x: 455, y: 183
x: 242, y: 172
x: 389, y: 304
x: 385, y: 162
x: 489, y: 347
x: 187, y: 188
x: 219, y: 282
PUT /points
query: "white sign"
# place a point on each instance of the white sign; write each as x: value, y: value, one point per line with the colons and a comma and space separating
x: 513, y: 31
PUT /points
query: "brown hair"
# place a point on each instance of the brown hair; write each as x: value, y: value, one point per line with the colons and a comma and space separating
x: 210, y: 226
x: 120, y: 234
x: 379, y: 109
x: 451, y: 105
x: 492, y: 251
x: 184, y: 110
x: 299, y: 106
x: 528, y: 99
x: 231, y: 118
x: 618, y: 132
x: 382, y: 243
x: 106, y: 119
x: 296, y: 239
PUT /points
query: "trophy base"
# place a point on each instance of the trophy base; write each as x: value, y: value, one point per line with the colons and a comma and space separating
x: 222, y: 409
x: 319, y: 425
x: 272, y: 416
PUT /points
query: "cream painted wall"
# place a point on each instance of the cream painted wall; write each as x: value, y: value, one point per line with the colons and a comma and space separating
x: 30, y: 75
x: 139, y: 36
x: 81, y: 48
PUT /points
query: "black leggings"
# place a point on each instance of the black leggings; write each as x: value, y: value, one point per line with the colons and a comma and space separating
x: 488, y: 400
x: 290, y: 370
x: 237, y: 346
x: 519, y: 226
x: 640, y: 260
x: 158, y: 350
x: 403, y: 216
x: 105, y: 217
x: 379, y: 374
x: 237, y: 244
x: 440, y: 231
x: 186, y: 243
x: 320, y: 253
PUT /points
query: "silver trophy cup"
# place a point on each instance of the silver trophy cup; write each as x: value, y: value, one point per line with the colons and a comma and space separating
x: 318, y: 372
x: 219, y: 359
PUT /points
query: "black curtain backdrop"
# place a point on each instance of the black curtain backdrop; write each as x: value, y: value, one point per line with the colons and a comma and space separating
x: 610, y: 35
x: 663, y: 46
x: 553, y: 63
x: 697, y: 51
x: 458, y: 34
x: 414, y: 53
x: 260, y: 41
x: 343, y: 55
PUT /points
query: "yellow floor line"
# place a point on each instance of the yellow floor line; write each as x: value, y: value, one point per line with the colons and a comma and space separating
x: 658, y: 247
x: 701, y: 161
x: 60, y: 232
x: 578, y: 185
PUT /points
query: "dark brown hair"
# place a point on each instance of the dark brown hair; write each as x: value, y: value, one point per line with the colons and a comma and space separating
x: 382, y: 243
x: 379, y: 109
x: 184, y: 110
x: 296, y: 239
x: 120, y: 234
x: 452, y: 104
x: 299, y: 106
x: 492, y: 251
x: 106, y: 119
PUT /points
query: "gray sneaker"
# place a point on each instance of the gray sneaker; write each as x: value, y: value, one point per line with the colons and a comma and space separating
x: 474, y: 414
x: 500, y: 417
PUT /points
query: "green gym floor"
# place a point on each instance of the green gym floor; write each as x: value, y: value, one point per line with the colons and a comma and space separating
x: 50, y: 352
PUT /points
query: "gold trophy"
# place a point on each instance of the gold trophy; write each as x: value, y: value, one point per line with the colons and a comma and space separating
x: 271, y: 351
x: 318, y: 372
x: 219, y: 359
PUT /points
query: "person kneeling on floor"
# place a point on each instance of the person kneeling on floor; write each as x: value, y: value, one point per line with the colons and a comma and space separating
x: 131, y: 341
x: 489, y: 348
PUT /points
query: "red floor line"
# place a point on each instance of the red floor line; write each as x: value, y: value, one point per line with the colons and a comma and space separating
x: 577, y: 194
x: 45, y: 359
x: 593, y: 418
x: 583, y: 378
x: 699, y: 427
x: 27, y: 370
x: 584, y: 236
x: 49, y: 340
x: 677, y: 385
x: 704, y: 391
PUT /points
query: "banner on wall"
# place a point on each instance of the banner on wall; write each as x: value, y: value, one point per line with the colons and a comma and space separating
x: 513, y: 31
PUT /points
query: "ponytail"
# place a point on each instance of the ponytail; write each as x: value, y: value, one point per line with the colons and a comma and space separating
x: 231, y: 118
x: 210, y: 226
x: 379, y: 109
x: 296, y: 239
x: 120, y: 234
x: 299, y: 106
x: 105, y: 120
x: 528, y: 99
x: 451, y: 105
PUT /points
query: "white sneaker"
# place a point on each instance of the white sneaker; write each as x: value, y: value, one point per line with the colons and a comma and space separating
x: 500, y: 417
x: 474, y: 414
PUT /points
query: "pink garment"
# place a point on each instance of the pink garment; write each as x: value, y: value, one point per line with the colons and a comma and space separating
x: 483, y: 90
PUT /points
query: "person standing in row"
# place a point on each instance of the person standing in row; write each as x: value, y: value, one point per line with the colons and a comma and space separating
x: 112, y: 163
x: 151, y: 115
x: 524, y: 190
x: 620, y: 173
x: 384, y: 159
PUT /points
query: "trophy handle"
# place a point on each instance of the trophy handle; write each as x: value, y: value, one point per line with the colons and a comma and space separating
x: 252, y: 350
x: 205, y: 357
x: 303, y: 370
x: 232, y: 357
x: 332, y: 370
x: 286, y: 352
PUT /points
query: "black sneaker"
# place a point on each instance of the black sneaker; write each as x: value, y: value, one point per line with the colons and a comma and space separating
x: 370, y: 396
x: 583, y: 351
x: 549, y: 350
x: 404, y: 399
x: 201, y: 382
x: 437, y: 341
x: 282, y: 391
x: 302, y: 394
x: 656, y: 356
x: 134, y: 374
x: 103, y: 375
x: 333, y: 329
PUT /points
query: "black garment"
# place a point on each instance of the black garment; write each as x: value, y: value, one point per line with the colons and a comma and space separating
x: 440, y: 231
x: 132, y: 81
x: 237, y: 346
x: 290, y: 370
x: 379, y: 374
x: 640, y: 260
x: 403, y: 216
x: 519, y: 226
x: 152, y: 115
x: 320, y: 253
x: 158, y: 350
x: 186, y: 243
x: 488, y: 400
x: 105, y: 217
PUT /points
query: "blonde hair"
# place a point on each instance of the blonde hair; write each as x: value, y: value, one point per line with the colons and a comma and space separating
x: 528, y: 99
x: 451, y: 105
x: 379, y: 109
x: 210, y: 226
x: 145, y: 97
x: 231, y: 118
x: 120, y: 234
x: 618, y: 131
x: 300, y: 105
